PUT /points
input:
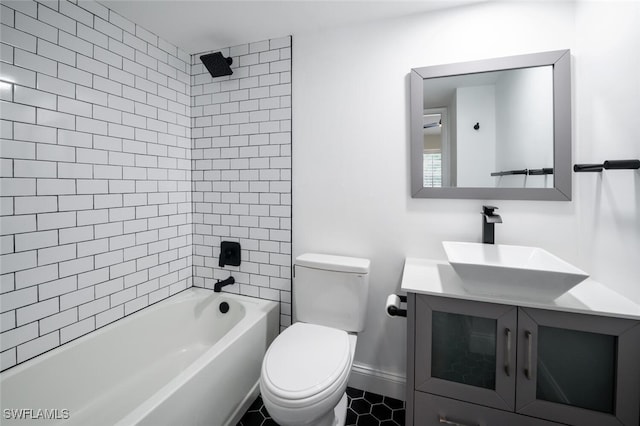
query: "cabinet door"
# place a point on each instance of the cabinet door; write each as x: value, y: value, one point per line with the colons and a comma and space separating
x: 578, y: 369
x: 466, y: 350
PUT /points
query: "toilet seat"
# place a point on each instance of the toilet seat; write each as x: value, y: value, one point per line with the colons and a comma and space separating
x: 306, y: 364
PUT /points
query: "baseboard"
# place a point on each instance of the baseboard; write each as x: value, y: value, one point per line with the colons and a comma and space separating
x: 367, y: 378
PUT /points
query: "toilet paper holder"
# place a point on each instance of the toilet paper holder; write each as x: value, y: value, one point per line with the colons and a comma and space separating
x: 393, y: 305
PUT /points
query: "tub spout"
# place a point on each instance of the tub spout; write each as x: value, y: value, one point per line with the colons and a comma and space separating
x: 217, y: 287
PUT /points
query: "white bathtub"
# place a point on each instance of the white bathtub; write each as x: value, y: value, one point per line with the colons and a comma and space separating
x: 179, y: 362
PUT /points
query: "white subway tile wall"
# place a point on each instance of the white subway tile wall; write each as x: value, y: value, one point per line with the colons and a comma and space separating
x: 96, y: 172
x: 241, y: 170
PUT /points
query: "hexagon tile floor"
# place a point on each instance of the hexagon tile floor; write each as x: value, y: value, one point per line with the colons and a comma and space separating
x: 365, y: 409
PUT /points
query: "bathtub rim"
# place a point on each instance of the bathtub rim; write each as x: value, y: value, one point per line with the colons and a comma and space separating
x: 183, y: 295
x: 258, y: 309
x: 250, y: 319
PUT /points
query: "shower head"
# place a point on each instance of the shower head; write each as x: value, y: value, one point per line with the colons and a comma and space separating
x: 217, y: 64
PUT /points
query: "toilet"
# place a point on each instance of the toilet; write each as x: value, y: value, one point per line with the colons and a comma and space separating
x: 305, y: 370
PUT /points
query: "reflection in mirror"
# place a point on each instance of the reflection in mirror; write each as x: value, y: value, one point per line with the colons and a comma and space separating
x: 436, y: 149
x: 501, y: 125
x: 515, y: 108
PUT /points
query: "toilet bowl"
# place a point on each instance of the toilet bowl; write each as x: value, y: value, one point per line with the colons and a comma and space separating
x: 304, y: 375
x: 306, y: 369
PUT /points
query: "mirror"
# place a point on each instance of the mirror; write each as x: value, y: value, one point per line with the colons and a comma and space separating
x: 493, y: 129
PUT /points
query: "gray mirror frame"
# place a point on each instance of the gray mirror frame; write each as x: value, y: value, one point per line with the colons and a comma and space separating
x: 560, y: 60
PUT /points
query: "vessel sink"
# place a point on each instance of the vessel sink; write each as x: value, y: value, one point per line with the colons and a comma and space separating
x: 511, y: 271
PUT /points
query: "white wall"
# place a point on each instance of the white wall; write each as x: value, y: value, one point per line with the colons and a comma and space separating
x: 96, y: 173
x: 96, y: 162
x: 524, y: 135
x: 351, y: 139
x: 241, y: 170
x: 607, y: 106
x: 476, y: 148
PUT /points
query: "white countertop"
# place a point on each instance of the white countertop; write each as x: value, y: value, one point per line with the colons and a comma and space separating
x: 438, y: 278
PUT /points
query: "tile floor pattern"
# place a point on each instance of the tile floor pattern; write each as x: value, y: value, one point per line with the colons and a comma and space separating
x: 365, y: 409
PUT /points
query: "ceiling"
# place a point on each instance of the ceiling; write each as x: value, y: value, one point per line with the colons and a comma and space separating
x: 199, y: 26
x: 439, y: 91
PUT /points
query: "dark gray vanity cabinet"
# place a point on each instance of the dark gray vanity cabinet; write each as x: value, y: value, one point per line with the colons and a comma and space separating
x: 468, y: 352
x: 477, y: 363
x: 578, y: 369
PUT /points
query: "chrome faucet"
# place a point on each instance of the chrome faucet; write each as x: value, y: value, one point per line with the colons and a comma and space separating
x: 489, y: 219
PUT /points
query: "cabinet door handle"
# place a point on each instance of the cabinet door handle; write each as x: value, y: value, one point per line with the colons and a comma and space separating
x: 527, y: 369
x: 444, y: 420
x: 507, y: 355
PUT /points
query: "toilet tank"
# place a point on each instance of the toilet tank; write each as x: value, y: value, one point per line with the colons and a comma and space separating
x: 331, y: 290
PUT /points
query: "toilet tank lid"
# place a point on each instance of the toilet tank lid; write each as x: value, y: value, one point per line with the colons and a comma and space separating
x: 330, y: 262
